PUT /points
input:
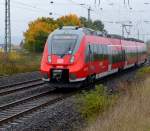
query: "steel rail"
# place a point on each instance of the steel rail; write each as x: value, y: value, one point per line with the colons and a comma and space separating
x: 30, y: 84
x: 19, y: 83
x: 34, y: 109
x: 15, y: 103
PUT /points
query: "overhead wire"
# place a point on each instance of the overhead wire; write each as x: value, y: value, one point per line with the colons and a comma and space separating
x: 128, y: 2
x: 33, y: 8
x: 78, y: 4
x: 28, y: 7
x: 39, y: 9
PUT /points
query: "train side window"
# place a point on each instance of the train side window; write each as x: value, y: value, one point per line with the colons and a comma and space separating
x: 115, y: 55
x: 110, y: 54
x: 123, y: 55
x: 97, y: 55
x: 101, y: 52
x: 92, y: 52
x: 95, y: 51
x: 105, y: 52
x: 118, y: 55
x: 97, y: 46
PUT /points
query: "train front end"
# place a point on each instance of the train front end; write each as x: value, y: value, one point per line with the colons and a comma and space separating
x: 62, y: 61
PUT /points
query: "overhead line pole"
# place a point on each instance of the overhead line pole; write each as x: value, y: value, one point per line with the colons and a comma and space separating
x: 9, y: 27
x: 7, y: 46
x: 89, y: 13
x: 6, y: 12
x: 124, y: 28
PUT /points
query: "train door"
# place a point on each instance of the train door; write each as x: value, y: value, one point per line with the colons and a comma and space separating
x: 89, y: 58
x: 123, y: 53
x: 137, y: 53
x: 104, y: 57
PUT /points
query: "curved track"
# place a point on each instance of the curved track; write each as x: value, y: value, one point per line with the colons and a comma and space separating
x: 17, y: 109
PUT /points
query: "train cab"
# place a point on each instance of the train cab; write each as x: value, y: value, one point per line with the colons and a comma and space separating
x: 63, y: 56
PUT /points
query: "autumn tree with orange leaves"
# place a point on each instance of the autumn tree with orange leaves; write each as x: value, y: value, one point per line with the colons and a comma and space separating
x: 37, y: 33
x: 38, y: 30
x: 69, y: 20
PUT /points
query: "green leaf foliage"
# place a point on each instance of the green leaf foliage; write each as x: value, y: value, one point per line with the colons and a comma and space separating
x: 95, y: 25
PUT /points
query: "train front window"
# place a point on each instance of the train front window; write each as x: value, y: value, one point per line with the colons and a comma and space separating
x: 63, y: 44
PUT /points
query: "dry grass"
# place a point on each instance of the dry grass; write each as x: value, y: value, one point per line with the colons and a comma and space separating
x: 15, y: 62
x: 132, y: 112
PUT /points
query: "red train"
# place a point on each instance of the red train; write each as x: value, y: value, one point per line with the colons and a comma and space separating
x: 73, y: 56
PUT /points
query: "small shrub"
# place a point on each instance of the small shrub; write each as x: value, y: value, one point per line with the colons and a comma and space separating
x: 91, y: 103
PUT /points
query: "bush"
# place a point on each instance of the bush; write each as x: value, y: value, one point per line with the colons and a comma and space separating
x: 91, y: 103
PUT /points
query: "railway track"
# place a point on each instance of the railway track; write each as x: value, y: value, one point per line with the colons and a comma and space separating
x: 11, y: 112
x: 16, y: 110
x: 18, y: 83
x: 8, y: 89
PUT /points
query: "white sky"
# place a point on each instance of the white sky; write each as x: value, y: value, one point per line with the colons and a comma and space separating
x: 22, y: 12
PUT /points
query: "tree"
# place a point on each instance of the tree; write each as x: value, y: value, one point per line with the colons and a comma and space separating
x: 83, y: 21
x: 86, y: 23
x: 69, y: 20
x: 37, y: 33
x: 98, y: 25
x: 95, y: 25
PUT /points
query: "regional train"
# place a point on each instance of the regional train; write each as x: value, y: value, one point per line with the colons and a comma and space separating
x: 74, y: 56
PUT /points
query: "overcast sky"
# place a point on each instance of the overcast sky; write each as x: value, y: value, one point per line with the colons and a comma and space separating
x: 22, y: 12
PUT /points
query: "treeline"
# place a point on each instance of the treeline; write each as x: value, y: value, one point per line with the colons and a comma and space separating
x: 38, y: 30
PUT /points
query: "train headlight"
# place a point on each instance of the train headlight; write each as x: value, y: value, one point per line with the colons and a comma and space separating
x: 72, y: 59
x: 49, y: 59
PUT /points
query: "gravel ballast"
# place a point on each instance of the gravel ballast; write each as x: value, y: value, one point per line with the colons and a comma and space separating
x: 61, y: 116
x: 22, y: 77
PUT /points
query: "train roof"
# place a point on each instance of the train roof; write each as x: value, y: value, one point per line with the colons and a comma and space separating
x: 88, y: 31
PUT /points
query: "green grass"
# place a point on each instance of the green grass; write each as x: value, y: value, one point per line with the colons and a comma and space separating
x: 91, y: 103
x: 14, y: 62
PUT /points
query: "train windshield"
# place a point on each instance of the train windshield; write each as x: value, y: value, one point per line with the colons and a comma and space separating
x: 63, y: 44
